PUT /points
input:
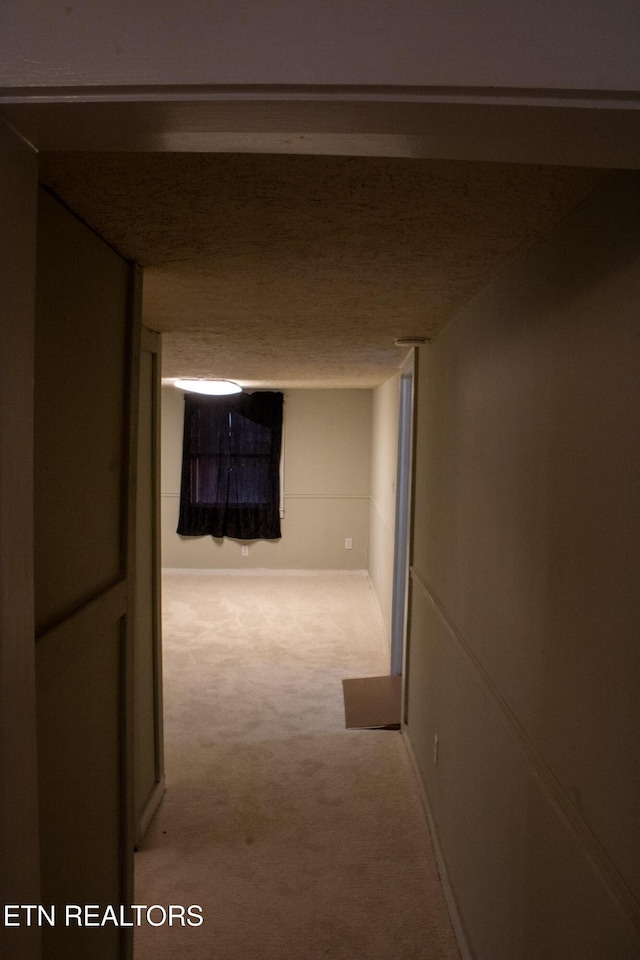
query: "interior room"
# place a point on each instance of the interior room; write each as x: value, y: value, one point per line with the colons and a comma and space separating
x: 489, y: 448
x: 280, y: 213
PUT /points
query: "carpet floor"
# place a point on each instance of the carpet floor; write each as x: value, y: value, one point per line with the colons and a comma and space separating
x: 297, y: 837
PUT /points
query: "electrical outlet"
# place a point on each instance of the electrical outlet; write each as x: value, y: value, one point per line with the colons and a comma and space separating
x: 245, y: 551
x: 436, y: 749
x: 348, y: 543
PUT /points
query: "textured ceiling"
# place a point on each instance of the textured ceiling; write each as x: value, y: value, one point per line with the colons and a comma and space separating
x: 301, y: 270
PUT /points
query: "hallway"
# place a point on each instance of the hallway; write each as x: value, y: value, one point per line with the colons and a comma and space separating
x: 297, y: 837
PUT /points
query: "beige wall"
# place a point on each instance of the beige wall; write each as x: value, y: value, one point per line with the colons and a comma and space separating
x: 524, y: 655
x: 384, y: 467
x: 327, y: 466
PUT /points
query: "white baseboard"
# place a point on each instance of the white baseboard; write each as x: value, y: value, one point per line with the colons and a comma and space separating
x: 466, y: 952
x: 152, y: 805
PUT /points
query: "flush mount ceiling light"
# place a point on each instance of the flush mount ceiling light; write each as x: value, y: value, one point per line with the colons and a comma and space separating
x: 213, y: 388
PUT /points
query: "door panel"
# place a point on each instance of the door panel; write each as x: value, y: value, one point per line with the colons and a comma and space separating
x: 19, y: 876
x: 82, y: 327
x: 79, y: 684
x: 85, y: 417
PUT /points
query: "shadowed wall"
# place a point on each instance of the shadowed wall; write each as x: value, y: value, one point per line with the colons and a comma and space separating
x: 524, y: 617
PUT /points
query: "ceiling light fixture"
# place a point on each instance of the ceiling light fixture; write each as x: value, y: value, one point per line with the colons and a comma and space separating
x: 212, y: 388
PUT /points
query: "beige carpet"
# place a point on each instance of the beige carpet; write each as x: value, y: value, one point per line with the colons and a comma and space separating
x: 300, y: 839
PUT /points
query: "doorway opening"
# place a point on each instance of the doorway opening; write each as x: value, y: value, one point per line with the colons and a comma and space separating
x: 253, y: 710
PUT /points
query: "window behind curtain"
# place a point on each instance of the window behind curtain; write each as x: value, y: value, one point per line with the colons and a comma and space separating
x: 231, y: 466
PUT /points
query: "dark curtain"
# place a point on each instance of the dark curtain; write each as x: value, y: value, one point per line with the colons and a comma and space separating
x: 231, y: 466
